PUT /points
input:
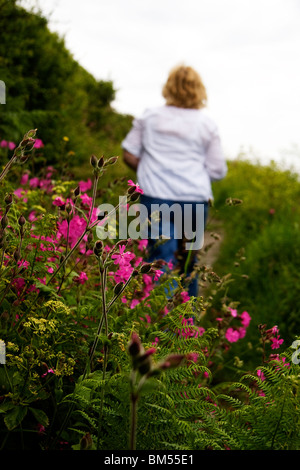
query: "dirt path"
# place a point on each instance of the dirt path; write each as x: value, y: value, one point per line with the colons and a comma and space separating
x: 213, y: 238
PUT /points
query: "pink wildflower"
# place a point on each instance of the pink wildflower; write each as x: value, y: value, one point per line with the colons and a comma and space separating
x: 137, y: 187
x: 233, y: 311
x: 38, y: 144
x: 232, y: 335
x: 24, y: 178
x: 170, y: 265
x: 3, y: 143
x: 85, y: 185
x: 21, y: 193
x: 49, y: 371
x: 86, y: 200
x: 59, y: 202
x: 158, y: 273
x: 142, y: 244
x: 123, y: 257
x: 23, y: 263
x: 185, y: 296
x: 11, y: 145
x: 192, y: 356
x: 134, y: 302
x: 82, y: 278
x: 34, y: 182
x: 77, y: 227
x: 19, y: 284
x: 260, y: 374
x: 245, y: 319
x: 242, y: 332
x: 276, y: 342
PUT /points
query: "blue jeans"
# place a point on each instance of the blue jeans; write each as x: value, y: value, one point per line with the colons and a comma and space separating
x: 178, y: 244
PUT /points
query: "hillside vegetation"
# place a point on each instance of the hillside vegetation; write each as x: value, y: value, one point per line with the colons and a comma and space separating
x: 47, y: 89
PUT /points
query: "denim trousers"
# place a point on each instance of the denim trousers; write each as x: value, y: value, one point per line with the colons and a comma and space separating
x: 172, y: 245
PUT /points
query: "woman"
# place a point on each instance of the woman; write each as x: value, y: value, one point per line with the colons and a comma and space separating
x: 176, y: 151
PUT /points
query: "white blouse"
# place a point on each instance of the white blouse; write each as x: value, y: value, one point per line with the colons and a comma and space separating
x: 180, y: 153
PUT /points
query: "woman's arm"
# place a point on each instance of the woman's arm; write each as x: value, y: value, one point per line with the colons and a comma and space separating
x: 131, y: 160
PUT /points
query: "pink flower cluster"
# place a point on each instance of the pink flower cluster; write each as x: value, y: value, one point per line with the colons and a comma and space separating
x: 188, y: 332
x: 11, y: 145
x: 6, y: 144
x: 233, y: 334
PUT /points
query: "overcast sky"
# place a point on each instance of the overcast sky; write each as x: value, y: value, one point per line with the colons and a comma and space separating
x: 247, y: 52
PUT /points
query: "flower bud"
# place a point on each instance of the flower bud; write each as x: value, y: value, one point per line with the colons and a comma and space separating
x: 146, y: 366
x: 145, y: 268
x: 134, y: 197
x: 4, y: 221
x: 94, y: 161
x: 17, y: 255
x: 30, y: 134
x: 135, y: 345
x: 77, y: 191
x: 22, y: 220
x: 23, y: 159
x: 111, y: 161
x: 8, y: 199
x: 101, y: 162
x: 172, y: 361
x: 131, y: 189
x: 118, y: 288
x: 98, y: 247
x: 86, y: 442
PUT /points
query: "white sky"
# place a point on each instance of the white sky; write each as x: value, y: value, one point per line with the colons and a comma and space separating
x: 247, y: 52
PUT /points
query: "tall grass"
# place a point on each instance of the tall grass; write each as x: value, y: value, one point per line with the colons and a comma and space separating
x: 261, y: 246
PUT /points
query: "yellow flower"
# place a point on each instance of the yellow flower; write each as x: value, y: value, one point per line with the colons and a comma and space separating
x: 66, y: 139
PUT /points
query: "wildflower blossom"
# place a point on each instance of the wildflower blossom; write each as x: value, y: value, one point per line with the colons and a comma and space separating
x: 24, y: 179
x: 23, y: 263
x: 38, y: 144
x: 123, y: 257
x: 76, y: 229
x: 86, y: 200
x: 34, y: 182
x: 185, y: 296
x: 260, y: 374
x: 11, y: 145
x: 158, y: 273
x: 85, y: 185
x: 49, y: 371
x: 233, y: 311
x: 142, y: 245
x: 245, y: 319
x: 59, y: 202
x: 137, y: 187
x: 82, y: 278
x: 232, y: 335
x: 276, y: 342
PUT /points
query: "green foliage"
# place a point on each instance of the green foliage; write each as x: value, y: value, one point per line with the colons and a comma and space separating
x: 47, y: 89
x: 261, y: 246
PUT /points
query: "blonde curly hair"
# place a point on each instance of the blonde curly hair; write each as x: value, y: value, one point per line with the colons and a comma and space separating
x: 184, y: 88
